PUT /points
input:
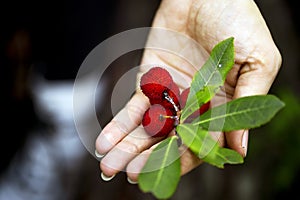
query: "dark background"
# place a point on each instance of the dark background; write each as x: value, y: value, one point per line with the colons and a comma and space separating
x: 52, y: 38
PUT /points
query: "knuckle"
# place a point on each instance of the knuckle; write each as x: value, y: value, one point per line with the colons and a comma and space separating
x: 130, y: 147
x: 135, y: 113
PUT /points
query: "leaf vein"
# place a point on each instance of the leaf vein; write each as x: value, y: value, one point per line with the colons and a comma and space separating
x: 159, y: 175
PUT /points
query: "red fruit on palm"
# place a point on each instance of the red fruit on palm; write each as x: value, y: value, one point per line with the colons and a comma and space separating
x: 202, y: 109
x: 154, y: 83
x: 158, y: 121
x: 157, y: 84
x: 155, y: 92
x: 171, y: 98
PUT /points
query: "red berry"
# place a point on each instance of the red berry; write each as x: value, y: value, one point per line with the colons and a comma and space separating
x: 155, y: 92
x: 174, y: 93
x: 202, y: 109
x: 155, y: 82
x: 157, y: 75
x: 158, y: 121
x: 183, y: 97
x: 171, y: 98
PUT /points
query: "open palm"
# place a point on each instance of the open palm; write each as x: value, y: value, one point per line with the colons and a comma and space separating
x: 205, y: 23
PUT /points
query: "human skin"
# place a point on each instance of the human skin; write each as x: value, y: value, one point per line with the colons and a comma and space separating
x: 257, y: 62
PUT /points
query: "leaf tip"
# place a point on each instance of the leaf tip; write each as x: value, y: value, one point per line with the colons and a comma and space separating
x: 229, y: 40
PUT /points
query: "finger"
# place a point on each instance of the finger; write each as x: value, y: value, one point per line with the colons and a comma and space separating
x: 122, y: 124
x: 238, y: 140
x: 253, y: 79
x: 120, y: 155
x: 188, y: 161
x: 136, y: 165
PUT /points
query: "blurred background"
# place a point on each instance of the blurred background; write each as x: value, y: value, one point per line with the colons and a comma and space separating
x: 43, y: 44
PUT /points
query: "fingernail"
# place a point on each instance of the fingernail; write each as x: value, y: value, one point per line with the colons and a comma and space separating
x: 106, y: 178
x: 98, y: 155
x: 245, y: 142
x: 131, y: 181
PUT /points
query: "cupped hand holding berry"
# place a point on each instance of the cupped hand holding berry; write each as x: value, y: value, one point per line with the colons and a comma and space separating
x: 257, y: 61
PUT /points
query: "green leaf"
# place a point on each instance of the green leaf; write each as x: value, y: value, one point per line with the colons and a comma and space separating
x: 197, y: 139
x: 220, y: 156
x: 207, y: 81
x: 205, y: 147
x: 161, y: 173
x: 242, y: 113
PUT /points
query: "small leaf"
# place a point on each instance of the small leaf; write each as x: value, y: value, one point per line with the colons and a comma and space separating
x: 197, y: 139
x: 207, y: 81
x: 220, y: 156
x: 205, y: 147
x: 242, y: 113
x: 161, y: 173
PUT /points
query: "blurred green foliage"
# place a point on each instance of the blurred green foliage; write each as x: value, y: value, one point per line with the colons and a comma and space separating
x: 276, y: 149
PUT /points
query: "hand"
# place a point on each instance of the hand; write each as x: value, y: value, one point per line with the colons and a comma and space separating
x: 257, y: 61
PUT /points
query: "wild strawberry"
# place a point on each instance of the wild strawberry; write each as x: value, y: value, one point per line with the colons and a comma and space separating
x: 202, y: 109
x: 158, y: 121
x: 154, y: 83
x: 157, y: 75
x: 155, y: 92
x: 171, y: 98
x: 183, y: 97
